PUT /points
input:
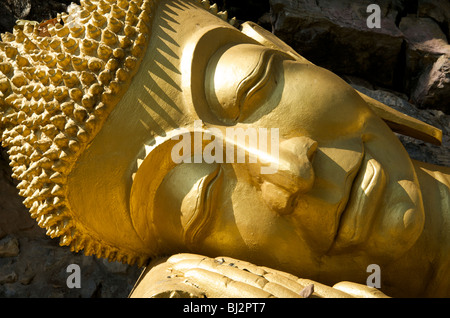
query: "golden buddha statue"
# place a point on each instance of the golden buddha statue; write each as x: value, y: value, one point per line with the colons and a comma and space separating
x: 94, y: 107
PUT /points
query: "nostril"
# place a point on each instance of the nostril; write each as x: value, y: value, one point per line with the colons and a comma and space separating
x: 312, y: 150
x: 279, y: 200
x: 295, y: 171
x: 302, y: 147
x: 292, y: 175
x: 295, y: 175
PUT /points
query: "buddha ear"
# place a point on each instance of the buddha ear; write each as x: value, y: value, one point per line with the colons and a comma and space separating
x: 397, y: 121
x: 404, y: 124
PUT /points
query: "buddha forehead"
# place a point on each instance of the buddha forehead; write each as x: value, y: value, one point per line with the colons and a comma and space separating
x: 211, y: 71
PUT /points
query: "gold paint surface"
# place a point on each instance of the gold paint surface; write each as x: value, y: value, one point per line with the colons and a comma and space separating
x: 92, y: 112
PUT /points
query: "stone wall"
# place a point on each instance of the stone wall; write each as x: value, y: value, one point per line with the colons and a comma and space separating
x: 409, y: 53
x: 404, y: 64
x: 33, y: 265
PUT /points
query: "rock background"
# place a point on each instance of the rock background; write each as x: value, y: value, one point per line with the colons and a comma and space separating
x: 405, y: 64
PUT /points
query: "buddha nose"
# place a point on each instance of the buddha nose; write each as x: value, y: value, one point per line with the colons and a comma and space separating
x: 294, y: 176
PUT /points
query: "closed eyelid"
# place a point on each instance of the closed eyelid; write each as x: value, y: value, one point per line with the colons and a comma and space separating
x: 199, y: 214
x: 257, y: 78
x: 240, y: 79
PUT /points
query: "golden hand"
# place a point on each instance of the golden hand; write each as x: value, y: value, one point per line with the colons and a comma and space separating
x: 197, y: 276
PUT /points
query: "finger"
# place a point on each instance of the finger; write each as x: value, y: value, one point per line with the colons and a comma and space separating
x: 278, y: 283
x: 185, y: 256
x: 280, y: 273
x: 282, y: 287
x: 283, y: 279
x: 359, y: 290
x: 258, y: 270
x: 324, y: 291
x: 226, y: 269
x: 237, y: 274
x: 162, y: 281
x: 280, y: 291
x: 201, y: 272
x: 216, y: 285
x: 286, y: 282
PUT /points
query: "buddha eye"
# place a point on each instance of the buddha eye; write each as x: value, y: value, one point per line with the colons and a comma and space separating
x: 240, y: 80
x: 254, y: 89
x: 197, y: 208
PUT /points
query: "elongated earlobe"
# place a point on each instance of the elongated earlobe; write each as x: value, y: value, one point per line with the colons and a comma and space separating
x: 397, y: 121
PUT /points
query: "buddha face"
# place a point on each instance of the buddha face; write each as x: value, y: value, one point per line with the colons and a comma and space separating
x: 345, y: 185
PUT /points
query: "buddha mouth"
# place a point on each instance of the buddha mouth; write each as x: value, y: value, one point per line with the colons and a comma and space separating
x: 355, y: 223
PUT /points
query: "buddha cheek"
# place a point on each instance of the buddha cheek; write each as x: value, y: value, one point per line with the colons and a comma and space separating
x: 240, y: 223
x: 402, y: 223
x: 246, y: 228
x: 317, y: 103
